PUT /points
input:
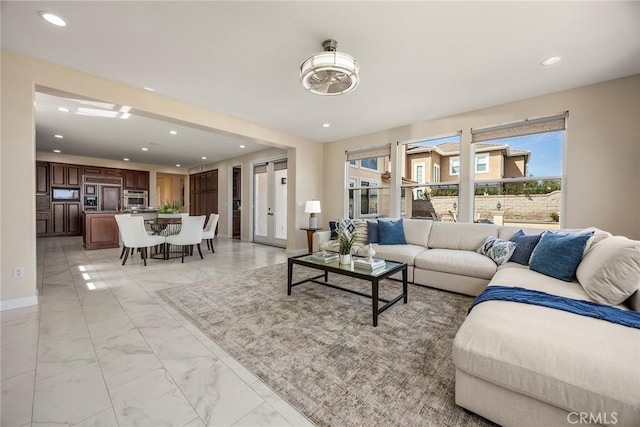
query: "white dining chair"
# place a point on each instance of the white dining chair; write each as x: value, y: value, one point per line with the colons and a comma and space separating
x: 135, y: 236
x: 190, y: 234
x: 209, y: 231
x: 124, y: 215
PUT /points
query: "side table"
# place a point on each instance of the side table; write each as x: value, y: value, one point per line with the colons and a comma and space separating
x: 310, y: 232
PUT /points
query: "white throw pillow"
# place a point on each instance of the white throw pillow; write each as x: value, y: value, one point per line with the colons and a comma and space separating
x: 610, y: 271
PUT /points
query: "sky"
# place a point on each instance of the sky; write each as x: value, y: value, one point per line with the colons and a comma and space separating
x: 546, y: 151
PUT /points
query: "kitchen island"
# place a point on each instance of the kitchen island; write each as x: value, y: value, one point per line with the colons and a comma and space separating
x: 100, y: 230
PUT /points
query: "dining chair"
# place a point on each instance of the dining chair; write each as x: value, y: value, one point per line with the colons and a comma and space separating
x: 190, y: 234
x: 135, y: 236
x: 124, y: 215
x: 209, y: 231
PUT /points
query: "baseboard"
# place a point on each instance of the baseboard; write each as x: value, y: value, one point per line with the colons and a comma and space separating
x: 295, y: 252
x: 18, y: 303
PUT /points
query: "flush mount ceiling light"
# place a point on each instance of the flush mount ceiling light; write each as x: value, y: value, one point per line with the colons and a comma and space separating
x: 173, y: 132
x: 329, y: 72
x: 326, y: 125
x: 57, y: 151
x: 58, y: 136
x: 126, y: 159
x: 52, y: 19
x: 144, y: 149
x: 551, y: 61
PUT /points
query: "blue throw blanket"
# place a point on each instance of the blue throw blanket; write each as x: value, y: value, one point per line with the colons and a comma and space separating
x: 583, y: 308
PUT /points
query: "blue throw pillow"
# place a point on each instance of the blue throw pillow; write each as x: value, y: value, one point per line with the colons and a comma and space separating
x: 332, y: 227
x: 391, y: 232
x: 558, y: 254
x: 524, y: 247
x: 372, y: 232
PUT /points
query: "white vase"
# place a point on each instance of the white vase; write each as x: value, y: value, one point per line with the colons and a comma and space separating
x: 345, y: 259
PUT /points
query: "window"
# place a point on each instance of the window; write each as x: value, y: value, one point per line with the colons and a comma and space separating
x: 371, y: 163
x: 482, y: 163
x: 368, y: 184
x: 527, y: 191
x: 422, y: 193
x: 418, y: 173
x: 352, y: 162
x: 454, y: 166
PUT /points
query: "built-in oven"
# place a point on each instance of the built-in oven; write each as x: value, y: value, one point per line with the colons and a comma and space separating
x: 138, y: 199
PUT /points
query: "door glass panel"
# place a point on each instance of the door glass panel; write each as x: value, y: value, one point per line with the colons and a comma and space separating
x: 261, y: 202
x: 280, y: 203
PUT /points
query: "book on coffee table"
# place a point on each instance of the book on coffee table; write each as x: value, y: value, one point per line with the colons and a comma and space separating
x: 369, y: 265
x: 326, y: 257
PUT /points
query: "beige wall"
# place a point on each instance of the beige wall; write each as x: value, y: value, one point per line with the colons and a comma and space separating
x: 514, y: 167
x: 601, y: 161
x: 21, y: 75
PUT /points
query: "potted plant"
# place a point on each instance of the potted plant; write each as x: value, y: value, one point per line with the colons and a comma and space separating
x: 346, y: 239
x: 169, y: 210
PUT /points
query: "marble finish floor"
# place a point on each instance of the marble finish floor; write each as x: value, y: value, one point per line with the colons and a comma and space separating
x: 102, y: 349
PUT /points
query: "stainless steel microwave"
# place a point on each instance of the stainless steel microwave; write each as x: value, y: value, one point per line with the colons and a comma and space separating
x: 138, y: 199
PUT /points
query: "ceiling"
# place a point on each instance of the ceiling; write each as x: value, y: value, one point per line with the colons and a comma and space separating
x: 418, y: 60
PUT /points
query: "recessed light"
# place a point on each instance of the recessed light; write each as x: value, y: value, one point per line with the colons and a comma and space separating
x: 52, y: 19
x: 203, y: 158
x: 173, y: 132
x: 57, y: 151
x: 148, y: 89
x: 243, y: 146
x: 144, y: 149
x: 58, y: 136
x: 326, y: 125
x: 126, y: 159
x: 551, y: 61
x: 64, y: 110
x: 178, y: 166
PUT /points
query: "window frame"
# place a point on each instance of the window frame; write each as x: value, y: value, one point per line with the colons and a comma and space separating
x: 451, y: 159
x: 478, y: 157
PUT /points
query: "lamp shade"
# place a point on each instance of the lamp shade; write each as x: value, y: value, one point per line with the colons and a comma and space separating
x: 312, y: 206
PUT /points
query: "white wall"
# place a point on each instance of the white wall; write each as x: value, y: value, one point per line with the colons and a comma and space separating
x: 21, y: 75
x: 602, y: 158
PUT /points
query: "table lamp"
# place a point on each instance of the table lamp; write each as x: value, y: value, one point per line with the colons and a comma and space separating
x: 312, y: 207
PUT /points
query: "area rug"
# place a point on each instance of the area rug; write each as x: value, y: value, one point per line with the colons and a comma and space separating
x: 318, y: 349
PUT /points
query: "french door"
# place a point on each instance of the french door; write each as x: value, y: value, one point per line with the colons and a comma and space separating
x: 270, y: 203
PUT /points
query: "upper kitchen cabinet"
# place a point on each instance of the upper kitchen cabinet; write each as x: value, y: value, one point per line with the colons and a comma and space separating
x: 63, y: 175
x: 93, y: 170
x: 42, y: 178
x: 136, y: 180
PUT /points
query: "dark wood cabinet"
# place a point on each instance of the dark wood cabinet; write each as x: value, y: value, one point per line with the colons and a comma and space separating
x: 236, y: 224
x: 42, y: 178
x: 203, y: 193
x: 66, y: 218
x: 42, y: 223
x: 100, y: 231
x: 136, y: 180
x: 63, y: 175
x: 96, y: 171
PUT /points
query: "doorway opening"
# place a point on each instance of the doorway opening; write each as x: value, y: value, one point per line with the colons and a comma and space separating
x: 270, y: 203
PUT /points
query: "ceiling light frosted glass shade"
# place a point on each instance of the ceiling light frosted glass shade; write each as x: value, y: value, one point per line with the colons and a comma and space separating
x: 330, y: 72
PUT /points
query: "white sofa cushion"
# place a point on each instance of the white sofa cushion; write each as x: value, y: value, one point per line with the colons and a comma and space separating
x: 459, y: 235
x: 416, y: 231
x: 610, y: 271
x: 574, y: 362
x: 397, y: 253
x: 462, y: 262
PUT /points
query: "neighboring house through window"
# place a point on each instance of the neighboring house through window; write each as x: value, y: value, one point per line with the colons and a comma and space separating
x: 371, y: 163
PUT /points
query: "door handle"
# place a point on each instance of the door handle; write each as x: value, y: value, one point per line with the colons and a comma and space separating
x: 269, y: 213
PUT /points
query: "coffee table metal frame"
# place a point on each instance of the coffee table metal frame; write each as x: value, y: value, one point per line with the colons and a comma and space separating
x: 334, y: 267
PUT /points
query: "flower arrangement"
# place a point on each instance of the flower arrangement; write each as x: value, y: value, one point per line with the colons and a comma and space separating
x: 170, y: 208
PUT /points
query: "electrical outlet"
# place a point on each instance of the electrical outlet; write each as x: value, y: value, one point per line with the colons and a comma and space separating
x: 18, y: 272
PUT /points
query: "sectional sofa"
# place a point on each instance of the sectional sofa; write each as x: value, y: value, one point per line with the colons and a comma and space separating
x: 521, y: 364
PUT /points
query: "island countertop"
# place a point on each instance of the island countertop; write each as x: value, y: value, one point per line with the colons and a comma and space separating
x: 133, y: 211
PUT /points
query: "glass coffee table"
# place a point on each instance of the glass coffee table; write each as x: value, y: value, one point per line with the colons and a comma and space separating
x: 374, y: 277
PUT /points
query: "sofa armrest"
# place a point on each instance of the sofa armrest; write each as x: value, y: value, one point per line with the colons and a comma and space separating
x: 319, y: 237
